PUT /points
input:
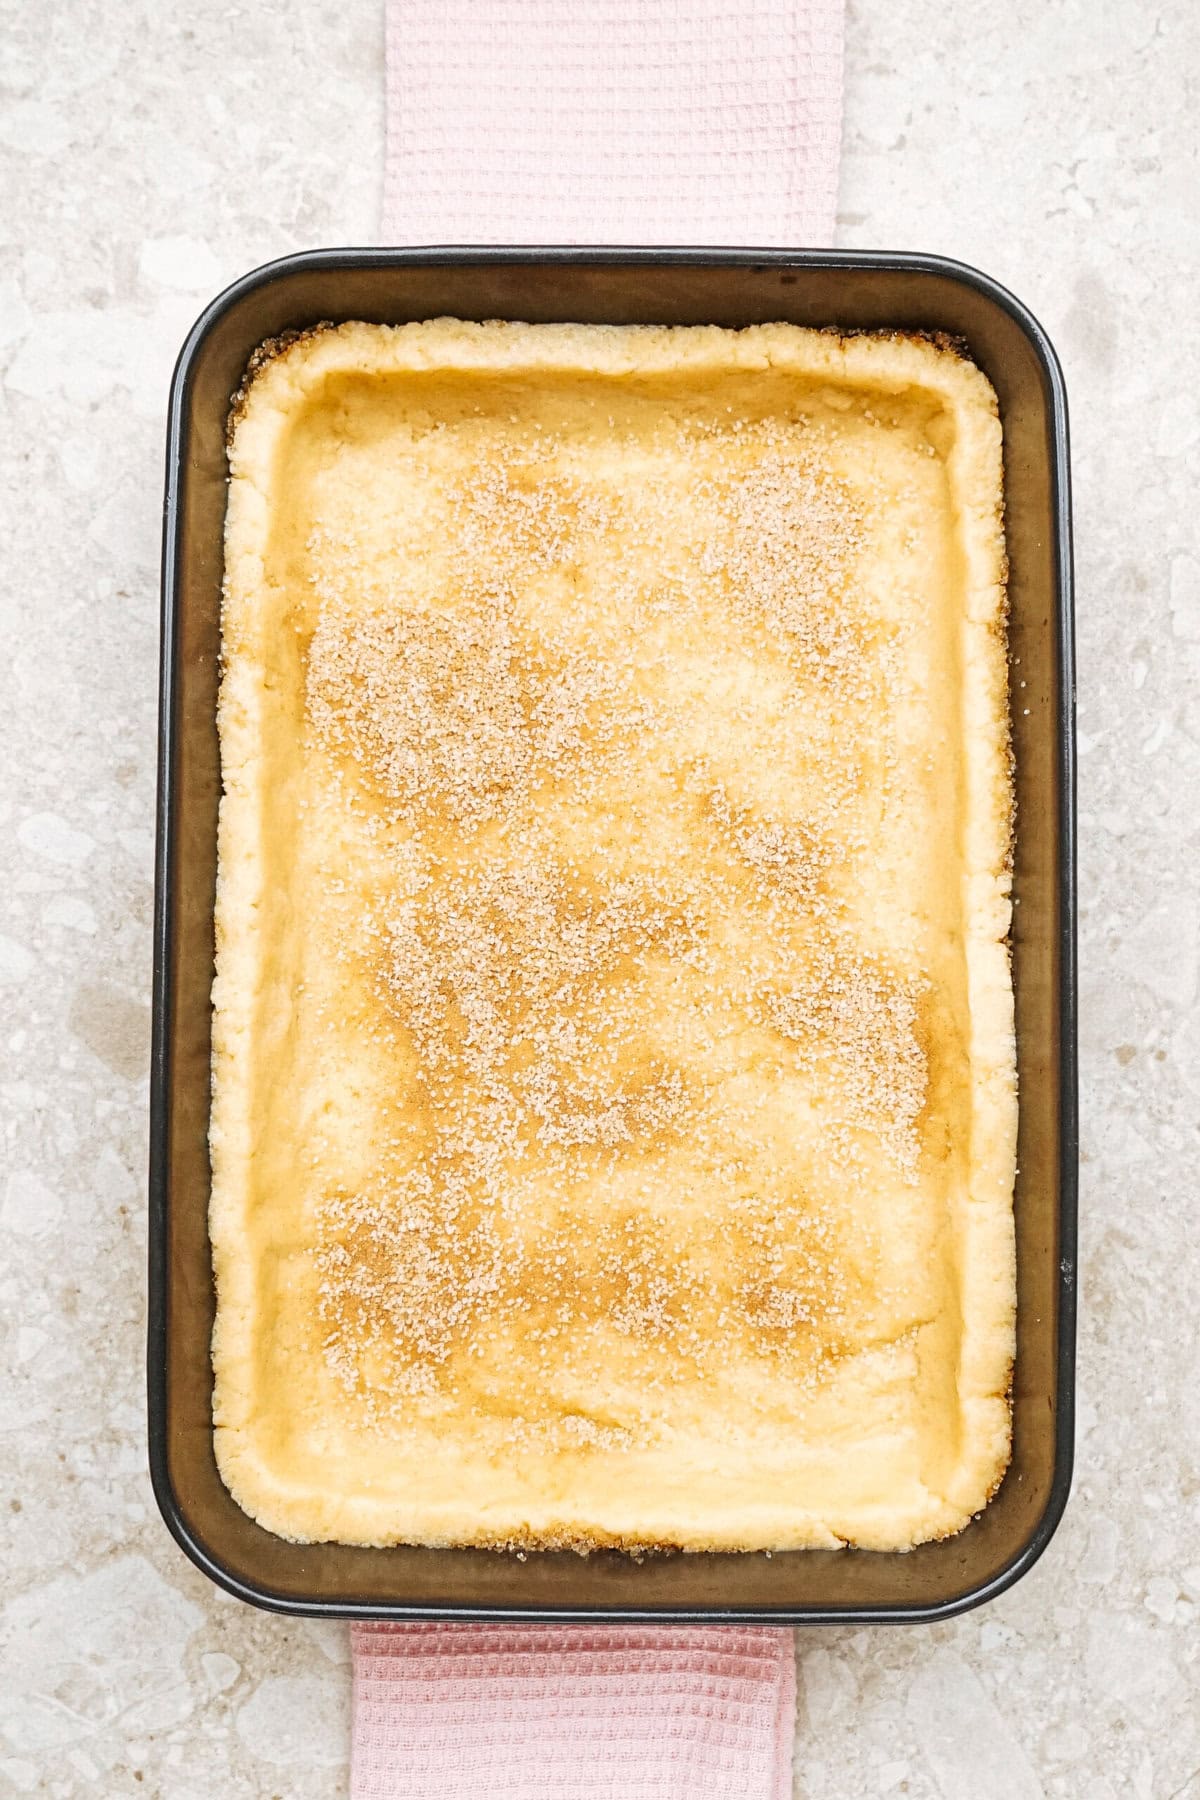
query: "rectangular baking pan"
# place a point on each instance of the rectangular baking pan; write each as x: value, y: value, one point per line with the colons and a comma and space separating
x: 851, y: 290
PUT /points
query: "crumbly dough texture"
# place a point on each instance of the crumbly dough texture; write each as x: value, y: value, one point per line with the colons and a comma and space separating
x: 614, y: 1101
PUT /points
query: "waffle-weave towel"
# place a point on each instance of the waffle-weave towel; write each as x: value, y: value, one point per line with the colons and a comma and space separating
x: 553, y: 1712
x: 613, y: 121
x: 603, y: 122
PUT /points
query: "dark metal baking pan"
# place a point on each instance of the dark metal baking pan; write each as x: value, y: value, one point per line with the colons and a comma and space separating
x: 846, y: 289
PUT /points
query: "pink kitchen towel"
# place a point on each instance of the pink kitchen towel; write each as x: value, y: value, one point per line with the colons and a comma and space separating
x: 702, y: 122
x: 613, y: 121
x: 557, y: 1712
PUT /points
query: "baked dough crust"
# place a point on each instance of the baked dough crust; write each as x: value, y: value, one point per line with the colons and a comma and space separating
x: 614, y: 1097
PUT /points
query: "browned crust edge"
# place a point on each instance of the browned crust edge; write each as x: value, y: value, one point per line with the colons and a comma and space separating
x: 586, y: 1544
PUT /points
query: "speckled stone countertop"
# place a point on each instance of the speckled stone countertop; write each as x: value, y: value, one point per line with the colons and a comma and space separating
x: 147, y: 155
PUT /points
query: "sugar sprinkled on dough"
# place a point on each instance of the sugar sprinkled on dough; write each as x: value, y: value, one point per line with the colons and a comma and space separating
x: 520, y: 980
x: 612, y: 1042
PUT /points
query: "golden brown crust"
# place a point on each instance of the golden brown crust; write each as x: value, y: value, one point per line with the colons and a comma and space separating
x: 267, y: 352
x: 613, y: 1080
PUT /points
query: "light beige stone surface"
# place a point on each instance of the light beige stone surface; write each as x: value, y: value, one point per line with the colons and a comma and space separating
x: 147, y: 154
